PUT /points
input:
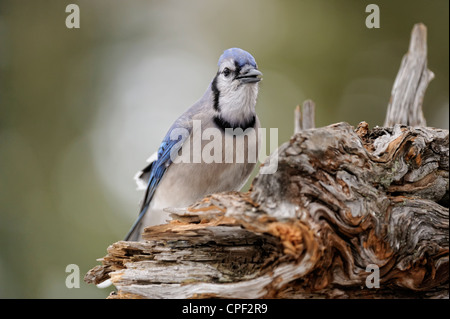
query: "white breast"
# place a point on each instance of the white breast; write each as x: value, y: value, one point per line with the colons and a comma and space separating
x: 185, y: 183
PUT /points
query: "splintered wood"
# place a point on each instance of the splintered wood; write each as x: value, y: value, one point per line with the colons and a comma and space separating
x: 405, y: 105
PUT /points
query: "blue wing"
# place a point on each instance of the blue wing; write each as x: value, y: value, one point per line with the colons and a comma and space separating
x: 157, y: 169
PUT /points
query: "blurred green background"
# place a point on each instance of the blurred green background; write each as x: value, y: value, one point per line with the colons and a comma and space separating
x: 82, y: 109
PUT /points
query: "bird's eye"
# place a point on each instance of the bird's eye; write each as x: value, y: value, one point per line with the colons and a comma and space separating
x: 226, y: 72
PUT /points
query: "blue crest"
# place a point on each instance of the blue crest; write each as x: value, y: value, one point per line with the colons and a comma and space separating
x: 240, y: 56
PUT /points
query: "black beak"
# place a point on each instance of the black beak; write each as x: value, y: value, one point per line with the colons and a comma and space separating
x: 251, y: 76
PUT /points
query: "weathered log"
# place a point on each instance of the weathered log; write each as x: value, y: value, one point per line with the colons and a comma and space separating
x: 350, y: 213
x: 355, y: 199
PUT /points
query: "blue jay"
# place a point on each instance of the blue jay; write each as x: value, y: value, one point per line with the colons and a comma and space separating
x: 228, y: 104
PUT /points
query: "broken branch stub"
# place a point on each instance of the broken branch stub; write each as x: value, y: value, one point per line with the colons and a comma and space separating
x: 408, y: 91
x: 304, y: 119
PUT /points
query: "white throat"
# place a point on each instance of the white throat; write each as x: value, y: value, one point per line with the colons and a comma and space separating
x: 237, y: 103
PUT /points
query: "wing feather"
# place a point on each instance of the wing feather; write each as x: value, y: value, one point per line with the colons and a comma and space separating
x: 154, y: 172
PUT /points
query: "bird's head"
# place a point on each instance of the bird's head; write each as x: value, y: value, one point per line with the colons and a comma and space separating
x: 237, y: 67
x: 235, y: 86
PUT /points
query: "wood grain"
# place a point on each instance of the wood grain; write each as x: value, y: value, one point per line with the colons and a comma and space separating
x: 359, y: 197
x: 405, y: 105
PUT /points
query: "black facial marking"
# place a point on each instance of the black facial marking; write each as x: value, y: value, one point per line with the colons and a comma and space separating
x: 237, y: 71
x: 216, y: 93
x: 223, y: 124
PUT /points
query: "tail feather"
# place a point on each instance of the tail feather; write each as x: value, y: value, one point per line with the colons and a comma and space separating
x: 142, y: 179
x: 135, y: 233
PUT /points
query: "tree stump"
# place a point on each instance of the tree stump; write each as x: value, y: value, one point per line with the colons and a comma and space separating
x: 350, y: 213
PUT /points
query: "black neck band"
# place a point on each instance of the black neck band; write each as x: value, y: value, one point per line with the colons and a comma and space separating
x: 223, y: 124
